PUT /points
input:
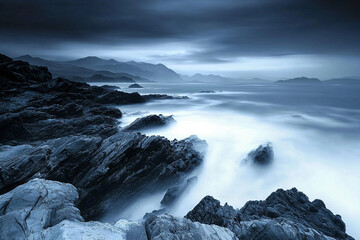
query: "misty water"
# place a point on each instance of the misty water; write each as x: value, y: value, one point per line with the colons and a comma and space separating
x: 314, y: 130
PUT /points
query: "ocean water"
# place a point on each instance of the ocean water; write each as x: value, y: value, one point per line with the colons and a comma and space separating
x: 314, y: 129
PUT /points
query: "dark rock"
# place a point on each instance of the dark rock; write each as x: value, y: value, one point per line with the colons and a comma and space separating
x: 119, y: 98
x: 120, y: 167
x: 283, y: 215
x: 174, y: 193
x: 150, y: 121
x: 135, y: 85
x: 262, y: 156
x: 110, y: 87
x: 150, y: 97
x: 207, y: 91
x: 209, y: 211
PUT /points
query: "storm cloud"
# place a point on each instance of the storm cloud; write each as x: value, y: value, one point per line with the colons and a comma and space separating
x: 209, y: 31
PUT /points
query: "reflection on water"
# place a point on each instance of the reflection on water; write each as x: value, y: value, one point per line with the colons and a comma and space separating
x: 314, y: 130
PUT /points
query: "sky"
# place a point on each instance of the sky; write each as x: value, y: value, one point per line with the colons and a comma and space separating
x: 236, y: 38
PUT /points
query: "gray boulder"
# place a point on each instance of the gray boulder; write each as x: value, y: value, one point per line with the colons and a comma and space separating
x: 43, y: 209
x: 166, y: 227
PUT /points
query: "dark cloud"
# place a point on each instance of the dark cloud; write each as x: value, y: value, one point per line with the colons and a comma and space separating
x: 222, y: 29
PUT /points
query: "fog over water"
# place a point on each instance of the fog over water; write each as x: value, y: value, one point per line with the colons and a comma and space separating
x: 314, y: 130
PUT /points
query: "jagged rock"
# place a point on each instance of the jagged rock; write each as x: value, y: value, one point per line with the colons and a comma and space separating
x: 150, y: 121
x: 261, y: 156
x: 17, y: 73
x: 283, y: 215
x: 43, y: 209
x: 209, y: 211
x: 174, y: 193
x: 166, y: 227
x: 35, y: 107
x: 135, y: 85
x: 121, y: 166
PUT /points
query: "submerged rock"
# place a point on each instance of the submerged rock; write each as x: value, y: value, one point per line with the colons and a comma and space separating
x: 150, y: 121
x: 135, y: 85
x: 283, y: 215
x: 166, y: 227
x: 174, y: 193
x: 261, y: 156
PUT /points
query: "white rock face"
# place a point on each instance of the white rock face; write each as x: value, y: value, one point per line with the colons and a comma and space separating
x: 43, y: 209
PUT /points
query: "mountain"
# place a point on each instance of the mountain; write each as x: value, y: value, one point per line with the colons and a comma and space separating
x: 300, y: 80
x: 343, y: 81
x: 155, y: 72
x: 85, y: 68
x: 207, y: 78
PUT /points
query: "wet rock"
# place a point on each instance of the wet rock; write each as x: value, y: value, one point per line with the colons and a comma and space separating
x: 135, y: 85
x: 120, y: 167
x: 150, y: 121
x: 261, y: 156
x: 174, y: 193
x: 283, y: 215
x: 166, y: 227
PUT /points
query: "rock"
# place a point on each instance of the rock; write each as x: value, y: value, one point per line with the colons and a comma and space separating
x: 150, y: 97
x: 207, y: 91
x: 283, y: 215
x: 119, y: 98
x: 150, y: 121
x: 110, y: 87
x: 209, y: 211
x: 166, y: 227
x: 135, y: 85
x: 262, y: 156
x: 43, y: 209
x: 174, y: 193
x: 39, y: 204
x: 122, y: 166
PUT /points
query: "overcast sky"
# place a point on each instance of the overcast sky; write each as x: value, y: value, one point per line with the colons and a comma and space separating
x: 242, y: 38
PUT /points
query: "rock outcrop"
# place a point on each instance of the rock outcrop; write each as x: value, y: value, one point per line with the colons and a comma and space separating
x: 43, y: 209
x: 135, y: 85
x: 150, y: 121
x: 283, y: 215
x: 61, y: 130
x: 121, y: 166
x: 262, y: 156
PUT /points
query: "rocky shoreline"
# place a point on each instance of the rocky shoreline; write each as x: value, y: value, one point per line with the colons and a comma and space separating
x: 64, y: 160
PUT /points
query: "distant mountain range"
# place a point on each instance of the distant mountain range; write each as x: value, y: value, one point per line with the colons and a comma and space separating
x: 217, y: 78
x: 96, y: 69
x: 305, y: 80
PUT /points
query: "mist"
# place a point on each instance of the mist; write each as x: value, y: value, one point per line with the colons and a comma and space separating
x: 315, y: 143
